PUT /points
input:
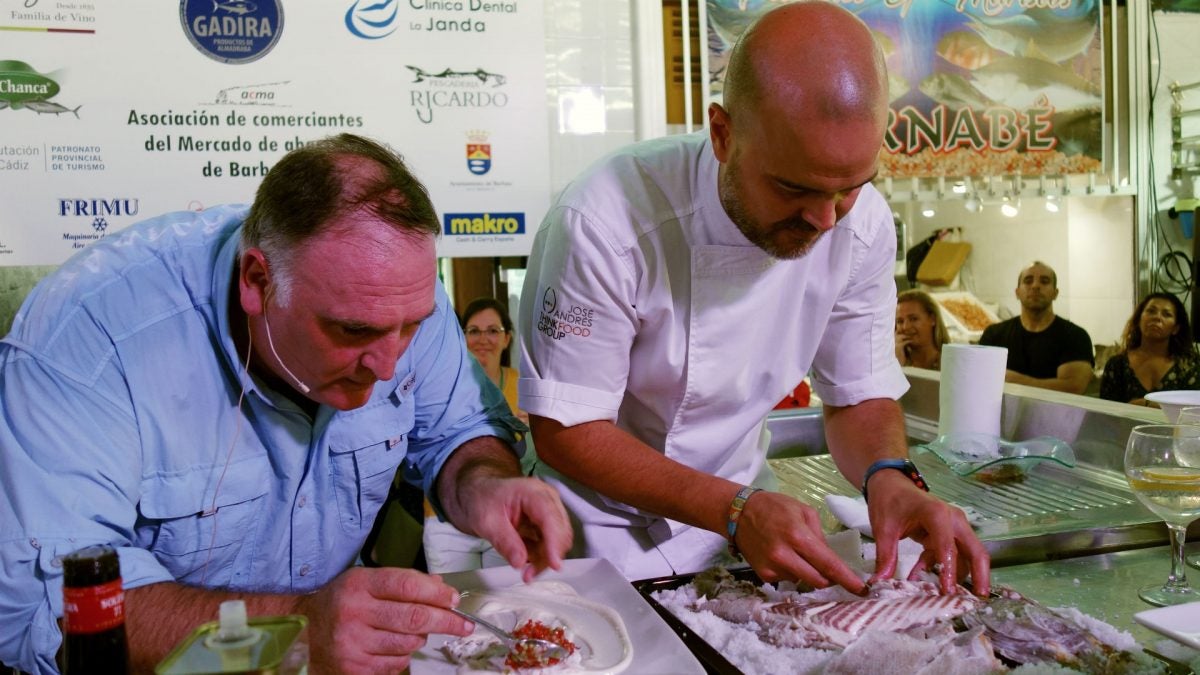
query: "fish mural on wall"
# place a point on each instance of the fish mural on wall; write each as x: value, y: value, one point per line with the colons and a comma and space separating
x: 975, y: 88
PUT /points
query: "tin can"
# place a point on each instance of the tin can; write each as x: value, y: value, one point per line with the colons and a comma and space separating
x: 271, y: 648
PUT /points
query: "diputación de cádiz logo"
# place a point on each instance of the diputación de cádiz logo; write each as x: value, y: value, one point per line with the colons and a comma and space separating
x: 22, y: 87
x: 232, y: 31
x: 372, y: 19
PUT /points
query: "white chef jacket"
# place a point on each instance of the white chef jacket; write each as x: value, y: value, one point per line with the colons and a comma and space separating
x: 644, y: 305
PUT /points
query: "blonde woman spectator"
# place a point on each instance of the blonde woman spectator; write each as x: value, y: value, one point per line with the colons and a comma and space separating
x: 920, y: 331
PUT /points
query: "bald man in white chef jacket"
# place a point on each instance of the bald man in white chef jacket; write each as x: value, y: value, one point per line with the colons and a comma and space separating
x: 682, y: 286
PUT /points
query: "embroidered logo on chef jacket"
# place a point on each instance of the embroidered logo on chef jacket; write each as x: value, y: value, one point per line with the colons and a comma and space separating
x: 571, y: 319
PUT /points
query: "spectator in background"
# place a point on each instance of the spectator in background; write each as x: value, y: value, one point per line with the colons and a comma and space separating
x: 1044, y: 350
x: 488, y: 330
x: 1157, y: 353
x: 920, y: 331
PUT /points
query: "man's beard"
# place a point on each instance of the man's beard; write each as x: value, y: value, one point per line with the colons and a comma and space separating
x: 765, y: 238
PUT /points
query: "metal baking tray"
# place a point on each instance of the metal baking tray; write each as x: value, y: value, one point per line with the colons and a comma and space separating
x: 716, y: 664
x: 712, y: 660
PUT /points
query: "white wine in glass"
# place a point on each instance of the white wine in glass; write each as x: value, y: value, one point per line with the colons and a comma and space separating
x: 1191, y: 415
x: 1162, y: 464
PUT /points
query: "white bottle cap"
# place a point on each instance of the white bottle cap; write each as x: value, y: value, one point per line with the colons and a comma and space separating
x: 232, y: 621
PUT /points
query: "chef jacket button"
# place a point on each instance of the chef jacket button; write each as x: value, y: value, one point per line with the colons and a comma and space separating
x: 304, y: 570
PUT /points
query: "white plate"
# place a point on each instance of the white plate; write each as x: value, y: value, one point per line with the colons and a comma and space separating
x: 1181, y: 622
x: 656, y: 648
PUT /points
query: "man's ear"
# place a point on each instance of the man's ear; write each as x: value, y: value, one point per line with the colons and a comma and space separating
x: 720, y: 131
x: 254, y: 282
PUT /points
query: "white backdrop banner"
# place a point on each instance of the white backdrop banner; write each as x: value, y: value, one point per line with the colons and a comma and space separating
x: 112, y: 111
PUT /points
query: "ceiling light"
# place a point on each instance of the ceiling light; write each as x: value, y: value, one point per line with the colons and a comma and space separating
x: 1009, y: 209
x: 960, y: 188
x: 928, y: 211
x: 1052, y: 204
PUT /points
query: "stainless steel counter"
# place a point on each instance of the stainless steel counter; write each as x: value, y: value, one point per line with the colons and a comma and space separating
x: 1056, y: 512
x: 1104, y: 586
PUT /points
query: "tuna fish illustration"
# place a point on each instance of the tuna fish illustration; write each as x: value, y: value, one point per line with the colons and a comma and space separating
x: 242, y: 7
x: 954, y: 91
x: 1021, y: 82
x: 1038, y: 34
x: 23, y: 87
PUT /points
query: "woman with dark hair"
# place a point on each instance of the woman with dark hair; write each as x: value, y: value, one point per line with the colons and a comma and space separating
x: 489, y: 332
x: 1156, y: 353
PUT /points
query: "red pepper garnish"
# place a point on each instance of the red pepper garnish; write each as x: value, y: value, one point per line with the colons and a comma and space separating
x: 527, y: 656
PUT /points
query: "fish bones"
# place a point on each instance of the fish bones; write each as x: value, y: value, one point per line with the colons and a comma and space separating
x: 799, y: 621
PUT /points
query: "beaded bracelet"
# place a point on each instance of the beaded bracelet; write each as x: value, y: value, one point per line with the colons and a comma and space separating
x: 735, y: 512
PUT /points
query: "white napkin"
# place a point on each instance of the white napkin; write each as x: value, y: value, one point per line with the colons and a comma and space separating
x: 852, y: 512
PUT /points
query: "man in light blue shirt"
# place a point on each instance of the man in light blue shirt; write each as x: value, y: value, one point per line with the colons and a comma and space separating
x: 225, y: 397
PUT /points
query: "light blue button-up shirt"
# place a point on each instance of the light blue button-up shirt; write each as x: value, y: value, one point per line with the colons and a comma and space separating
x: 120, y: 424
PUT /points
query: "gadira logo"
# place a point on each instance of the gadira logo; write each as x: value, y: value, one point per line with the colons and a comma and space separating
x: 22, y: 87
x: 372, y: 19
x: 232, y: 31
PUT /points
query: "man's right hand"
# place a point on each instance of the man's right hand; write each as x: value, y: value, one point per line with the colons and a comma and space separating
x: 370, y: 620
x: 782, y: 539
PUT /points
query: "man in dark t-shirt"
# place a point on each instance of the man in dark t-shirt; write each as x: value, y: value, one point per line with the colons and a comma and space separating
x: 1044, y: 350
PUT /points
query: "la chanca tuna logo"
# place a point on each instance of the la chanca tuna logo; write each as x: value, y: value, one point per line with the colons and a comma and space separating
x: 23, y: 88
x: 479, y: 152
x: 232, y: 31
x: 372, y: 19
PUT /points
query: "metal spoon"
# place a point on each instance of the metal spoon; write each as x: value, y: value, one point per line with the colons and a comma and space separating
x: 546, y: 649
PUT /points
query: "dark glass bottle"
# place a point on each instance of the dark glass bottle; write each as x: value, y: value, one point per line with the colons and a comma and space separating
x: 93, y: 612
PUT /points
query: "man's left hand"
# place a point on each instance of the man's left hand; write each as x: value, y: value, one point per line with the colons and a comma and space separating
x: 525, y: 520
x: 900, y: 509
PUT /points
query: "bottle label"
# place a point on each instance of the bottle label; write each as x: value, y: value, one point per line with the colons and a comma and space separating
x: 93, y: 609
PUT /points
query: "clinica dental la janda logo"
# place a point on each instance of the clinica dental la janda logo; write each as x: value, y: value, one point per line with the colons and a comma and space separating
x: 23, y: 88
x: 434, y: 88
x: 232, y: 31
x: 89, y: 218
x: 479, y: 152
x: 372, y: 19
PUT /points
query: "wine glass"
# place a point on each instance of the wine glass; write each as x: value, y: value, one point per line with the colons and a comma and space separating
x: 1162, y: 465
x: 1191, y: 415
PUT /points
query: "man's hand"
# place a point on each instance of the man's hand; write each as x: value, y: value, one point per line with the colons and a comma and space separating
x: 782, y: 539
x: 524, y: 519
x: 484, y: 494
x: 899, y: 509
x: 370, y: 620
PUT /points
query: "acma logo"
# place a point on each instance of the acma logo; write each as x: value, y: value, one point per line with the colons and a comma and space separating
x: 483, y: 223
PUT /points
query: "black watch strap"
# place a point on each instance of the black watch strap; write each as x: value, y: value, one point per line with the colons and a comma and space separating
x: 904, y: 466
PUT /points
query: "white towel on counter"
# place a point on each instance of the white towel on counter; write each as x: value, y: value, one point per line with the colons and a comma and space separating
x: 852, y: 512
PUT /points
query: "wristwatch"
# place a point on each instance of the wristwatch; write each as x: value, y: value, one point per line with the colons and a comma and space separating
x: 904, y: 466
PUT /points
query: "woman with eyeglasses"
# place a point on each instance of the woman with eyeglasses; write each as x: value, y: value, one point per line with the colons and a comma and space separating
x: 488, y: 329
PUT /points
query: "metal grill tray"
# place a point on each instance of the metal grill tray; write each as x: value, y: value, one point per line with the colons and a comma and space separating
x: 1055, y: 512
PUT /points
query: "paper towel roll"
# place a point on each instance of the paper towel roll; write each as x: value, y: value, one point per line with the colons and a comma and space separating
x: 972, y: 389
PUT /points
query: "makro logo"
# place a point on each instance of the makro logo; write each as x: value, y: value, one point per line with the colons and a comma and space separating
x: 372, y: 19
x: 22, y: 87
x: 483, y: 223
x: 232, y: 31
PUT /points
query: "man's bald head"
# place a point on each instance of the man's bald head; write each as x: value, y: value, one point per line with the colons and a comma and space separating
x: 811, y: 57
